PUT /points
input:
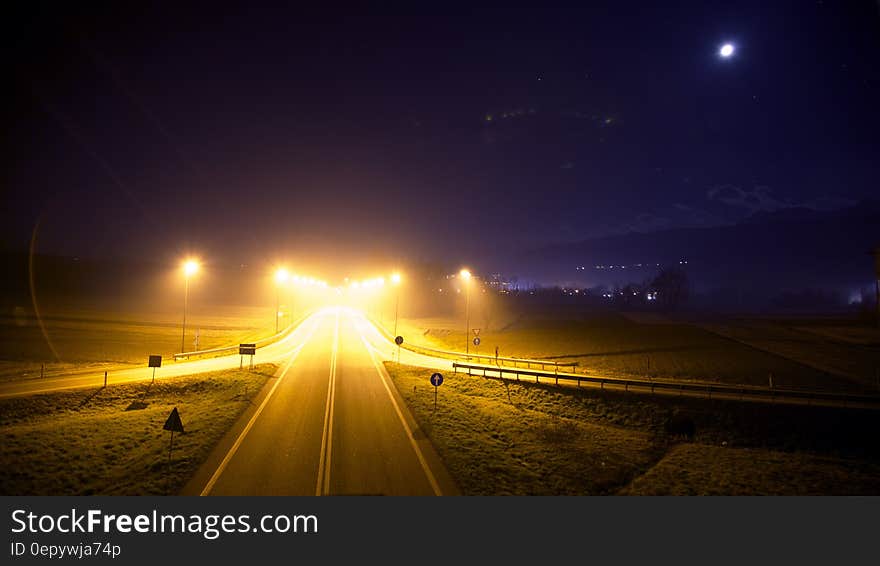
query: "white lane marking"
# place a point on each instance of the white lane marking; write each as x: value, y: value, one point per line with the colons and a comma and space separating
x: 409, y: 434
x: 323, y: 486
x: 226, y: 459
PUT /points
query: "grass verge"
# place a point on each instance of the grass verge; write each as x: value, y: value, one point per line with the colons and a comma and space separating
x: 695, y: 469
x: 500, y: 438
x: 533, y: 443
x: 98, y: 442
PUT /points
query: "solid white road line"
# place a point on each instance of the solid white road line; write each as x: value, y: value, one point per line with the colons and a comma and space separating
x: 424, y: 463
x: 323, y: 485
x: 226, y: 459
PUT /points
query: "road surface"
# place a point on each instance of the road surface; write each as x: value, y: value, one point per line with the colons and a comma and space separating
x: 330, y: 423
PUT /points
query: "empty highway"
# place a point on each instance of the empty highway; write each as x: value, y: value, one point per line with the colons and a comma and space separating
x: 330, y: 423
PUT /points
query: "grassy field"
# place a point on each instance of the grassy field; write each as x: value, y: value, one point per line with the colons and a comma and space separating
x: 507, y: 438
x: 615, y: 345
x: 95, y: 442
x: 830, y: 346
x: 694, y: 469
x: 88, y: 339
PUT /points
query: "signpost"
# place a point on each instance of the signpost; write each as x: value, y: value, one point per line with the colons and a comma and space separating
x: 173, y: 424
x: 246, y: 350
x: 436, y: 381
x: 398, y: 340
x: 155, y: 362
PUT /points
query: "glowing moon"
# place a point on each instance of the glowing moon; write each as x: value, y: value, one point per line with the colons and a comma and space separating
x: 726, y: 50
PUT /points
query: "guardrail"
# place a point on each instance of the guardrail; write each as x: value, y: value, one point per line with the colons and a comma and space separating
x: 234, y: 348
x: 706, y: 390
x: 417, y: 348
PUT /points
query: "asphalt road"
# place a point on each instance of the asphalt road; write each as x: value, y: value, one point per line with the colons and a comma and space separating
x: 329, y: 423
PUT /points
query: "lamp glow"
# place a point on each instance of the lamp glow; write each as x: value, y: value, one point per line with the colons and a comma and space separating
x: 190, y: 267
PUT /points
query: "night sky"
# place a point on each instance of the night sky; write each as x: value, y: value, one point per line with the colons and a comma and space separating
x: 424, y: 131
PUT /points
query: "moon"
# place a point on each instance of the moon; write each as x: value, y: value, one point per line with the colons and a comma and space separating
x: 726, y: 50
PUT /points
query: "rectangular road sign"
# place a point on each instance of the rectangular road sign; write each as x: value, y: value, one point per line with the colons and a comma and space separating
x: 247, y: 349
x: 155, y: 362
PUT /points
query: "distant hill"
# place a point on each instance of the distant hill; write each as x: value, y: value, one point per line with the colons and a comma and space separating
x: 770, y: 252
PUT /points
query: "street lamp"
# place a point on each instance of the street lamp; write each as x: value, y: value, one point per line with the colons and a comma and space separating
x: 190, y: 267
x: 466, y: 275
x: 395, y: 280
x: 281, y: 276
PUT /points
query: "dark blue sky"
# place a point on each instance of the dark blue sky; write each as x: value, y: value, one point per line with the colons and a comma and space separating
x: 444, y: 132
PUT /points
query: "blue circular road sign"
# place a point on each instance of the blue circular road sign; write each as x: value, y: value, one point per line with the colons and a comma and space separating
x: 398, y: 340
x: 436, y: 379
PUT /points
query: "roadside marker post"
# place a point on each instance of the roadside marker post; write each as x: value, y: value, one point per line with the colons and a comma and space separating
x: 105, y: 378
x: 436, y: 381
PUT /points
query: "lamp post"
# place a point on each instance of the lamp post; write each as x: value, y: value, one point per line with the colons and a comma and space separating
x: 395, y: 280
x: 281, y: 276
x: 466, y: 275
x: 190, y: 267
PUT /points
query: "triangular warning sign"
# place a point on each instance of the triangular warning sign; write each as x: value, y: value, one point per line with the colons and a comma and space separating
x: 173, y: 423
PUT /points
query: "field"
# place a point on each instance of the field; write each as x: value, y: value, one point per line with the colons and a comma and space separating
x: 612, y: 344
x: 96, y: 339
x: 501, y: 438
x: 100, y: 442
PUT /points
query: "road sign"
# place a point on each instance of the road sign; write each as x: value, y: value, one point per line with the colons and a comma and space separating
x: 477, y: 341
x: 247, y: 349
x: 436, y: 380
x: 155, y: 362
x: 398, y: 340
x: 476, y: 331
x: 174, y: 423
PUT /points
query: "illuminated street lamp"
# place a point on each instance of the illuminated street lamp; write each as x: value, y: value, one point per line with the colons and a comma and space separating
x: 190, y: 267
x: 395, y: 280
x: 281, y: 276
x: 466, y: 275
